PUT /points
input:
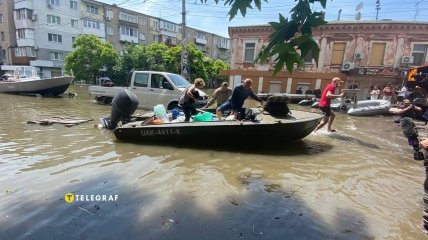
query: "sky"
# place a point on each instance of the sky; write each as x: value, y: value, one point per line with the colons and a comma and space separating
x: 211, y: 17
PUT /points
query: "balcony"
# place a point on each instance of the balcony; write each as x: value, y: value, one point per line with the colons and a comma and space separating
x: 223, y: 45
x: 24, y: 23
x: 47, y: 63
x: 201, y: 41
x: 126, y: 38
x: 19, y: 4
x: 26, y: 42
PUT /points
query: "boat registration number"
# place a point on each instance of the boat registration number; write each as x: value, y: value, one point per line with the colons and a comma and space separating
x: 161, y: 132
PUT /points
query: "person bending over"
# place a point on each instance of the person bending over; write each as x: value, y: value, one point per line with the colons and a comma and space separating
x: 187, y: 99
x: 236, y: 101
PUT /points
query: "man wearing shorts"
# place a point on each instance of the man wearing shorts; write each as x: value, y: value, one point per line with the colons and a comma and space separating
x: 325, y: 101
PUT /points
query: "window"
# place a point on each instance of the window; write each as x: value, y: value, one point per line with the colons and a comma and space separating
x: 91, y: 9
x: 74, y: 23
x: 109, y: 30
x: 1, y: 18
x: 155, y: 26
x: 73, y: 5
x: 201, y: 35
x: 155, y: 38
x: 169, y: 26
x: 338, y: 53
x: 142, y: 21
x: 157, y: 81
x: 419, y: 54
x: 20, y: 33
x: 91, y: 24
x: 308, y: 58
x: 377, y: 53
x: 129, y: 31
x: 25, y: 52
x: 56, y: 56
x: 142, y: 37
x: 2, y: 36
x: 249, y: 52
x: 141, y: 79
x: 54, y: 19
x: 53, y: 2
x: 24, y: 14
x: 109, y: 14
x: 3, y: 53
x: 54, y: 38
x: 73, y: 39
x: 127, y: 17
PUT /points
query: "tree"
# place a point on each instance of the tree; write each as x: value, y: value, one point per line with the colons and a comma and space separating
x: 159, y: 57
x: 91, y: 55
x: 290, y: 36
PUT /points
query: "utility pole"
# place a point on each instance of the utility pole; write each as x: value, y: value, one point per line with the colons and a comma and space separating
x: 377, y: 9
x: 338, y: 16
x: 184, y: 67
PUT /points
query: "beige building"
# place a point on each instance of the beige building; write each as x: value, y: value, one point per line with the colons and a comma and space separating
x: 364, y: 53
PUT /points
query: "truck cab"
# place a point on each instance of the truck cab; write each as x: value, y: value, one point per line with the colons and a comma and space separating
x: 151, y: 88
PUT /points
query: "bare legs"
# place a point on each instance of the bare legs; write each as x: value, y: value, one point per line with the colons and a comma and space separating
x: 326, y: 120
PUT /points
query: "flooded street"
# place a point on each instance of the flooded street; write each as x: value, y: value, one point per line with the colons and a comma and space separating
x: 360, y: 183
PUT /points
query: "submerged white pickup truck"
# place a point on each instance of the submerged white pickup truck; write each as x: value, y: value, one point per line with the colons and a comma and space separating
x: 151, y: 88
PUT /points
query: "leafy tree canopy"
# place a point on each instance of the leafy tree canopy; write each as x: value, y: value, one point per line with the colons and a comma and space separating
x: 91, y: 55
x: 292, y: 38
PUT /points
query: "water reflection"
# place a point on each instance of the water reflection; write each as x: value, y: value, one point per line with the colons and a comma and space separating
x: 360, y: 183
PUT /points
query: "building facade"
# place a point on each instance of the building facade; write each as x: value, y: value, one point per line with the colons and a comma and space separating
x: 363, y: 53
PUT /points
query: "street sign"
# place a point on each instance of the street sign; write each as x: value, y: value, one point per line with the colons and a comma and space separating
x: 185, y: 69
x: 184, y: 60
x: 185, y: 55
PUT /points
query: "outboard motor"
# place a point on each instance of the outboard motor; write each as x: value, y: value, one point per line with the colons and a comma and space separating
x: 124, y: 105
x: 277, y: 106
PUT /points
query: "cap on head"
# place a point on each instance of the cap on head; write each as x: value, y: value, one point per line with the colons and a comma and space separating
x: 337, y: 80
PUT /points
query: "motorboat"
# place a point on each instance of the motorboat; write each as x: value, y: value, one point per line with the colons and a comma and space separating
x: 370, y: 107
x: 25, y: 80
x: 274, y: 122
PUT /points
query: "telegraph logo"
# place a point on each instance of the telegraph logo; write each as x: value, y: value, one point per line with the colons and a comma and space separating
x: 69, y: 197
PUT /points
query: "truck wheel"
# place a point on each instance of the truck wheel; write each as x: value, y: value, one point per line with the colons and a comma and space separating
x: 107, y: 100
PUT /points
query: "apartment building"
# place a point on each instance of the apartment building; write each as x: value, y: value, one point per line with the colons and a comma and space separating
x: 7, y: 32
x: 40, y: 33
x: 363, y: 53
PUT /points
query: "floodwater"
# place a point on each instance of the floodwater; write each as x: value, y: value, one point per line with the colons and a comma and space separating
x: 360, y: 183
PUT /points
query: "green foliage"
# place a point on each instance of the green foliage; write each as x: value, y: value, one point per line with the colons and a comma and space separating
x: 90, y: 56
x: 159, y: 57
x: 290, y: 36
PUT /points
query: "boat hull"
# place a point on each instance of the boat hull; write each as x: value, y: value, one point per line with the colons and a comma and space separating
x: 225, y: 132
x: 370, y: 107
x: 48, y: 86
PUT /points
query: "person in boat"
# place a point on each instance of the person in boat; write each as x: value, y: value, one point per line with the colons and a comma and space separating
x: 236, y: 101
x: 406, y: 109
x: 325, y: 101
x: 188, y: 98
x: 220, y: 95
x: 374, y: 94
x: 402, y: 94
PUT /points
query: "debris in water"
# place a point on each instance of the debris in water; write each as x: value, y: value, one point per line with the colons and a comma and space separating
x: 86, y: 211
x: 68, y: 121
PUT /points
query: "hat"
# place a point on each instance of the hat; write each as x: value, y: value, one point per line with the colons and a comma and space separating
x: 406, y: 101
x: 336, y: 79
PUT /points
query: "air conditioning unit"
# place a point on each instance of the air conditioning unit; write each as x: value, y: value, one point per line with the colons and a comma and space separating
x: 346, y: 66
x: 407, y: 59
x: 358, y: 56
x: 49, y: 6
x: 34, y: 17
x: 153, y: 28
x: 36, y: 47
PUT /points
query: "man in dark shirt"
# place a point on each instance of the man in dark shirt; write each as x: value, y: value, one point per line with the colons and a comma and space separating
x: 236, y: 101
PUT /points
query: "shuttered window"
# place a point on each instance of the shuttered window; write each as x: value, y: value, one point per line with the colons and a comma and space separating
x: 249, y: 53
x: 377, y: 54
x: 338, y: 53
